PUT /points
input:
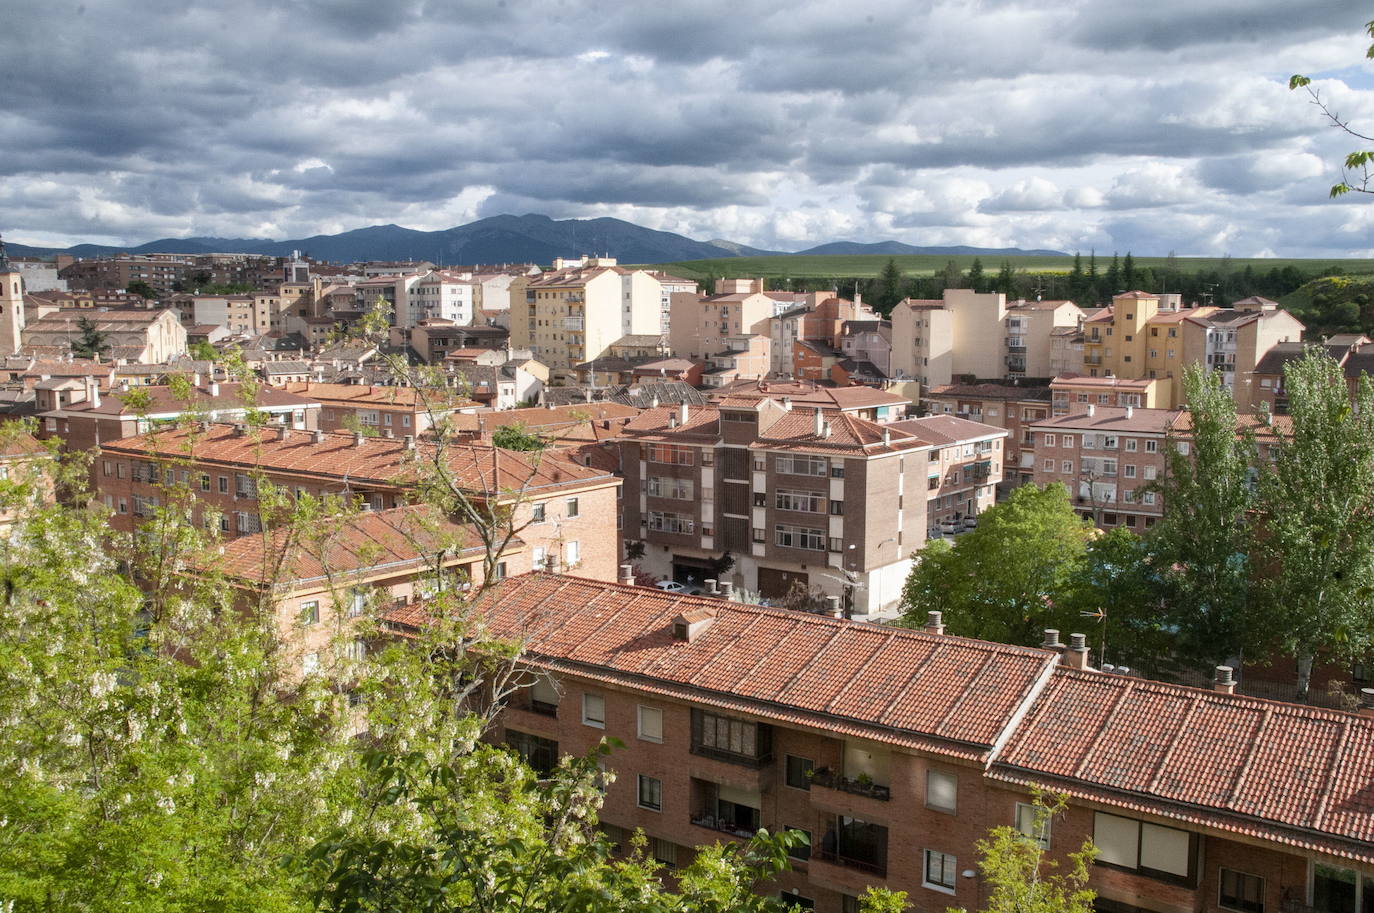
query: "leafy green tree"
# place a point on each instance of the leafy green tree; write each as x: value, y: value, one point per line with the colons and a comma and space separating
x: 1314, y: 555
x: 1201, y: 545
x: 1006, y: 280
x: 1019, y: 877
x: 952, y: 276
x: 92, y: 343
x: 202, y: 351
x: 1118, y: 591
x: 142, y: 289
x: 1356, y: 173
x: 1010, y: 578
x: 517, y: 437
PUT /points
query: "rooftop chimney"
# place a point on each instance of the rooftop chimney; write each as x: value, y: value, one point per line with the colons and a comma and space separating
x: 887, y: 437
x: 787, y: 403
x: 317, y: 436
x: 1076, y: 656
x: 1051, y: 641
x: 832, y: 604
x: 820, y: 423
x: 653, y: 401
x: 627, y: 575
x: 409, y: 441
x: 690, y: 625
x: 1130, y: 411
x: 711, y: 587
x: 357, y: 439
x: 682, y: 413
x: 727, y: 590
x: 1225, y: 681
x: 214, y: 388
x: 935, y: 623
x: 1092, y: 410
x: 1367, y: 702
x: 282, y: 432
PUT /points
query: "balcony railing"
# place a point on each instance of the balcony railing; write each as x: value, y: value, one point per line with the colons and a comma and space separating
x: 730, y: 757
x: 573, y: 323
x: 544, y: 708
x: 849, y: 862
x: 714, y: 823
x: 1092, y: 359
x: 829, y: 779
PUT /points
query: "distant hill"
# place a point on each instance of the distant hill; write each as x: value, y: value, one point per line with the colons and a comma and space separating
x: 894, y: 248
x: 499, y: 239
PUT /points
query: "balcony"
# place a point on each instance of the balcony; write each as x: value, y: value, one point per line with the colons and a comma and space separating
x: 868, y: 866
x: 1092, y: 359
x: 573, y: 323
x: 1016, y: 349
x: 723, y: 826
x: 829, y: 779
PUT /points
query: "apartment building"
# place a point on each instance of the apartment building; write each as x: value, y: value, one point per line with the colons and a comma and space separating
x: 703, y: 327
x: 559, y: 509
x: 896, y: 750
x: 160, y: 271
x: 385, y: 410
x: 978, y: 335
x: 443, y: 295
x: 1009, y: 406
x: 318, y: 584
x: 670, y: 286
x: 249, y: 314
x: 1105, y: 456
x: 815, y: 497
x: 573, y: 314
x: 868, y: 341
x: 815, y: 317
x: 396, y: 290
x: 82, y: 416
x: 867, y: 403
x: 1075, y: 392
x: 963, y: 468
x: 1153, y: 336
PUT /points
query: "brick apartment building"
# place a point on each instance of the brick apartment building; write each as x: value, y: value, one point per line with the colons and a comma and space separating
x: 1010, y: 406
x: 895, y: 750
x: 1104, y: 456
x: 963, y: 469
x: 815, y: 497
x: 561, y: 510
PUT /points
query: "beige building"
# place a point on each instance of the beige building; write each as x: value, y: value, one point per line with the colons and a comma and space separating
x: 145, y: 336
x: 1153, y: 336
x: 702, y: 327
x: 574, y: 314
x: 978, y: 335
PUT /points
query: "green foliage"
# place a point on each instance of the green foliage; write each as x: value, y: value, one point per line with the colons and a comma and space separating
x: 1315, y: 553
x: 1116, y: 596
x: 1333, y: 304
x: 518, y: 437
x: 92, y: 343
x: 142, y: 289
x: 1019, y: 878
x: 202, y: 351
x: 1010, y: 578
x: 889, y: 289
x: 975, y: 278
x: 1201, y: 544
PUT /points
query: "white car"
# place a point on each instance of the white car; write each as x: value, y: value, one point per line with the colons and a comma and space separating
x: 672, y: 586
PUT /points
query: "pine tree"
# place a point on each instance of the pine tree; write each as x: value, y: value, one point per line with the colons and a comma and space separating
x: 92, y: 343
x: 975, y: 276
x: 1128, y: 276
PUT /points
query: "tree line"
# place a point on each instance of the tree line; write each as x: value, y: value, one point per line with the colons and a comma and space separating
x: 1265, y: 549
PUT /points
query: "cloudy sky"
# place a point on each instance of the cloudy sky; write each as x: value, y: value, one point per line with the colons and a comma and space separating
x: 1107, y: 124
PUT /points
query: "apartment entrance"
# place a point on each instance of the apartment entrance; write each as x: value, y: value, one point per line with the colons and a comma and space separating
x: 690, y: 571
x: 775, y: 583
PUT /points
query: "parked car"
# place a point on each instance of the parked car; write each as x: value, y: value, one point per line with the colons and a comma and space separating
x: 672, y: 586
x: 970, y: 523
x: 950, y: 527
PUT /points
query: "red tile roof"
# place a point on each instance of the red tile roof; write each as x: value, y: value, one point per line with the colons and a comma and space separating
x: 367, y: 395
x: 369, y: 543
x: 1114, y: 418
x: 940, y: 693
x: 1289, y: 772
x: 377, y: 461
x: 948, y: 429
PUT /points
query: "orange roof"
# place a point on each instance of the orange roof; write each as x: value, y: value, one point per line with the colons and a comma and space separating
x: 941, y: 693
x: 543, y: 418
x: 367, y: 543
x: 1289, y: 772
x: 1115, y: 419
x: 365, y: 395
x: 377, y: 461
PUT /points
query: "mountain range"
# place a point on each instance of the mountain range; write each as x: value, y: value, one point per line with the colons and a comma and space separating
x: 501, y: 239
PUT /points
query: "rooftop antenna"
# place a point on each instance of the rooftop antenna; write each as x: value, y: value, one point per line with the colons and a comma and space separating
x: 1038, y: 289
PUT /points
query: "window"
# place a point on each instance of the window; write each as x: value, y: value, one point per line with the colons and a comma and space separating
x: 659, y: 487
x: 669, y: 453
x: 1049, y: 440
x: 940, y: 870
x: 1129, y: 470
x: 650, y: 724
x: 729, y: 739
x: 941, y: 791
x: 809, y: 501
x: 650, y: 793
x: 1047, y: 465
x: 310, y: 664
x: 1150, y: 473
x: 801, y: 465
x: 537, y: 513
x: 837, y: 508
x: 1160, y: 852
x: 224, y: 485
x: 799, y: 537
x: 571, y: 507
x: 1034, y: 823
x: 760, y: 535
x: 799, y: 772
x: 1152, y: 446
x: 663, y: 851
x: 310, y: 612
x: 1147, y: 497
x: 572, y: 554
x: 663, y: 522
x: 539, y: 753
x: 1183, y: 448
x: 1130, y: 445
x: 837, y: 470
x: 1240, y: 891
x: 1066, y: 441
x: 1066, y: 466
x: 594, y: 710
x: 538, y: 560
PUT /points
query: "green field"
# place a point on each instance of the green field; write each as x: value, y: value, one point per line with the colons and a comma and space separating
x: 869, y: 266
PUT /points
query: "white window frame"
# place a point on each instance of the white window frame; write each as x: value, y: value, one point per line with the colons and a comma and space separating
x: 949, y: 865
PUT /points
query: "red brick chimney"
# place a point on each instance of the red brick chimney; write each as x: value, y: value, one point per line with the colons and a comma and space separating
x: 1076, y: 656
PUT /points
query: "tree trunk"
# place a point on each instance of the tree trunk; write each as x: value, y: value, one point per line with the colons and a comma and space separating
x: 1305, y: 658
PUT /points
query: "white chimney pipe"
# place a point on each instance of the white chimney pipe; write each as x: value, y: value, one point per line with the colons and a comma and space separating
x: 820, y: 423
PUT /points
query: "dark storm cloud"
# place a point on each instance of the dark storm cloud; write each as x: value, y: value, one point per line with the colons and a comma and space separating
x: 242, y: 116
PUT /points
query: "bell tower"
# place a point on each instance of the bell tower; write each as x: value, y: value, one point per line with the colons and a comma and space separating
x: 11, y: 305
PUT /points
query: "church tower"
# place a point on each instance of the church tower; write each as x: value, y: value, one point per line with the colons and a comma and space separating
x: 11, y: 305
